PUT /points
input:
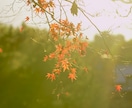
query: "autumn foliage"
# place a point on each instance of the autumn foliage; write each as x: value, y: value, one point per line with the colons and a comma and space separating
x: 66, y: 37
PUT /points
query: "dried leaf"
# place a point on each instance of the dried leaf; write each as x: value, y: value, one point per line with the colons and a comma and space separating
x: 74, y: 8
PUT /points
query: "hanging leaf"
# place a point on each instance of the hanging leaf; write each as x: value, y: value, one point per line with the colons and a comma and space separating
x: 118, y: 88
x: 74, y: 8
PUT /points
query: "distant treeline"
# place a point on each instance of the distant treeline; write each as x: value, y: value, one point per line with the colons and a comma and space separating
x: 22, y: 71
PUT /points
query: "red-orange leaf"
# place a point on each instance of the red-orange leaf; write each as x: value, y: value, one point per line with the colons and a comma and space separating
x: 52, y: 77
x: 37, y: 10
x: 78, y: 26
x: 60, y: 57
x: 56, y: 71
x: 118, y: 88
x: 54, y: 26
x: 48, y: 75
x: 52, y: 55
x: 58, y: 48
x: 51, y: 3
x: 45, y: 58
x: 73, y: 70
x: 72, y: 76
x: 65, y: 64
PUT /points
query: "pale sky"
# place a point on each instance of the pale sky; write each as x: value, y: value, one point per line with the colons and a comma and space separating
x: 104, y: 12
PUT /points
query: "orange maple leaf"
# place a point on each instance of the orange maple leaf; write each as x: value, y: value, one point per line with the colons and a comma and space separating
x: 57, y: 65
x: 118, y: 88
x: 45, y: 58
x: 52, y: 76
x: 65, y: 64
x: 73, y: 70
x: 65, y: 67
x: 59, y: 48
x: 57, y: 71
x: 52, y: 55
x: 78, y: 26
x: 65, y: 22
x: 48, y: 75
x: 72, y: 76
x: 51, y: 3
x: 54, y: 26
x: 37, y: 10
x: 60, y: 57
x: 44, y: 7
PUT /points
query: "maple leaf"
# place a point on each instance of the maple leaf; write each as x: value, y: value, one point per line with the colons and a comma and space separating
x: 118, y: 88
x: 73, y: 70
x: 78, y: 26
x: 65, y: 64
x: 65, y: 51
x: 68, y: 43
x: 61, y: 57
x: 52, y: 76
x: 51, y: 3
x: 41, y: 2
x: 54, y: 26
x: 57, y: 71
x: 72, y: 76
x: 57, y: 65
x: 65, y: 22
x: 45, y: 58
x: 58, y: 48
x: 52, y: 55
x: 65, y: 67
x: 44, y: 7
x: 37, y: 10
x: 48, y: 75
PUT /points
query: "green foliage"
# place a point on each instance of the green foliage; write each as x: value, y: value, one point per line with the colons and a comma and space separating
x: 22, y: 69
x: 22, y: 72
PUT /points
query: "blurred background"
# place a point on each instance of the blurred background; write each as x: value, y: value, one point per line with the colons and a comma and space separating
x: 22, y: 72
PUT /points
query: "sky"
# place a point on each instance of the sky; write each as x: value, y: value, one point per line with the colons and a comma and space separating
x: 104, y: 16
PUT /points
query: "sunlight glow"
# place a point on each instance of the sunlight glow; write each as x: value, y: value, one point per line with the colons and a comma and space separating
x: 105, y: 14
x: 108, y: 17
